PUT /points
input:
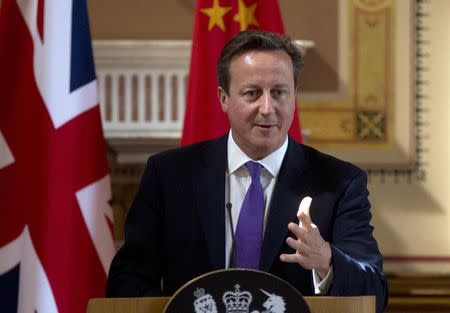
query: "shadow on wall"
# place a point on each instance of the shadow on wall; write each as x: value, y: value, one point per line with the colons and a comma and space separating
x: 402, y: 214
x: 317, y: 74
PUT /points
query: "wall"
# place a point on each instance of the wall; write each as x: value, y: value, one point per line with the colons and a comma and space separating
x: 412, y: 220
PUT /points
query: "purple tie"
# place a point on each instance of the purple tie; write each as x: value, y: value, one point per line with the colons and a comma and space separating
x: 249, y: 230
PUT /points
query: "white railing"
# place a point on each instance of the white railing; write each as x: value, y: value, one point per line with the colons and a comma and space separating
x: 142, y: 87
x: 142, y: 102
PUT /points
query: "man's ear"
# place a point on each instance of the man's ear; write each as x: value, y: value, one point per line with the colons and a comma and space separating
x: 222, y: 98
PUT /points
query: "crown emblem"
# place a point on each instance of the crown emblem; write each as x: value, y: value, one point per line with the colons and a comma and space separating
x: 204, y: 302
x: 237, y: 301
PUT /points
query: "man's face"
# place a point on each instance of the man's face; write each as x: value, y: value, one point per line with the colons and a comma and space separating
x: 261, y: 100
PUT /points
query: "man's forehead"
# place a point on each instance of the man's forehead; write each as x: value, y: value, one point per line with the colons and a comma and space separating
x: 252, y: 54
x: 257, y: 85
x: 259, y: 61
x: 255, y: 67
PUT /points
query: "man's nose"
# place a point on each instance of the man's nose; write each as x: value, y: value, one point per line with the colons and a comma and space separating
x: 266, y: 106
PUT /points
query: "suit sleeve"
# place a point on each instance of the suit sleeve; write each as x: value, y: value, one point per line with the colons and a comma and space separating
x: 136, y: 270
x: 357, y: 262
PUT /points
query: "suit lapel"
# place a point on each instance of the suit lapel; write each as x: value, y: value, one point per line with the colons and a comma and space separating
x: 209, y: 183
x: 290, y: 188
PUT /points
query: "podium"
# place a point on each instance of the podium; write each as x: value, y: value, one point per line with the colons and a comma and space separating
x: 235, y: 290
x: 363, y: 304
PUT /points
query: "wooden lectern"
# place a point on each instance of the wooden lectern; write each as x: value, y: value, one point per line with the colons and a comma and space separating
x: 236, y: 289
x: 364, y: 304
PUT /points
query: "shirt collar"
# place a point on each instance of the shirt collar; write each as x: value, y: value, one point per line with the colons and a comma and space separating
x: 237, y: 157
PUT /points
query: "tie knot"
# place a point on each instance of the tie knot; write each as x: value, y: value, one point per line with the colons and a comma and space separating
x: 254, y: 168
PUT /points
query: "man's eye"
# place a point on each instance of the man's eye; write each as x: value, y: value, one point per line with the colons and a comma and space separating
x: 250, y: 93
x: 278, y: 93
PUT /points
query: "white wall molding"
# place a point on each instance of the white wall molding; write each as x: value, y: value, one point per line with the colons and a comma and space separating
x: 137, y: 53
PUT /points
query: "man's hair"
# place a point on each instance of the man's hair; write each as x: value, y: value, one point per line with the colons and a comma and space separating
x: 256, y: 40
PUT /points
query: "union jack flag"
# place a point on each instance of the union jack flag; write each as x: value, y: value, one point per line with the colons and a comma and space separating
x: 56, y: 242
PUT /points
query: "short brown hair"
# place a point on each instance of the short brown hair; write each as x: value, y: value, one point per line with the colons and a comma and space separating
x: 256, y: 40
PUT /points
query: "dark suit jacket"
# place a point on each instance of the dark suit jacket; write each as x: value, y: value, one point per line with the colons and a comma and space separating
x: 175, y: 229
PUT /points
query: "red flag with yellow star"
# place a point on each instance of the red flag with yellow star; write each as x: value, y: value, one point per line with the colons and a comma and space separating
x: 216, y: 21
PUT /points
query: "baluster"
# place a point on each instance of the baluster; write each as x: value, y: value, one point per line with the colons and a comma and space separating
x: 140, y: 99
x: 114, y: 98
x: 181, y: 100
x: 154, y: 104
x: 167, y: 99
x: 101, y: 95
x: 128, y: 120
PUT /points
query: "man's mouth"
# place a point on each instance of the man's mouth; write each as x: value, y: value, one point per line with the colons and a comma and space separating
x: 267, y: 126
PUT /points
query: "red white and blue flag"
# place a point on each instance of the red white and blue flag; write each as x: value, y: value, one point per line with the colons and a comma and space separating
x: 56, y: 242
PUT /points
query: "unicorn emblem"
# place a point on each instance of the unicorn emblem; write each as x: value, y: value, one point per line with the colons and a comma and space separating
x: 273, y: 304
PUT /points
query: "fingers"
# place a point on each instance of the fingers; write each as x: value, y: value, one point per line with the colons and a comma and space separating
x: 303, y: 209
x: 297, y: 245
x: 314, y: 253
x: 291, y: 258
x: 303, y: 234
x: 297, y: 231
x: 304, y: 206
x: 311, y: 250
x: 305, y: 221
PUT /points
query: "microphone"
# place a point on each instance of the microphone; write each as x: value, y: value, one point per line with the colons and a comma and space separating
x: 232, y: 260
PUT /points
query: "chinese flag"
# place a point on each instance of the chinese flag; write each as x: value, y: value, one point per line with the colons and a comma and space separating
x: 216, y: 21
x: 56, y: 243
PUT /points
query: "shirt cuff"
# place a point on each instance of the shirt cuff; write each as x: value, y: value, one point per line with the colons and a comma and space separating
x: 321, y: 286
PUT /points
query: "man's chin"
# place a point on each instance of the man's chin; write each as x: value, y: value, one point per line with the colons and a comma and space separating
x: 266, y: 146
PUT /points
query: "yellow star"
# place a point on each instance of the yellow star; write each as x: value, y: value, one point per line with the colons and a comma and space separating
x: 216, y: 13
x: 246, y: 16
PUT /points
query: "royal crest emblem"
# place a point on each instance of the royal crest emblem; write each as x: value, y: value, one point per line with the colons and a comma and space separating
x: 237, y: 301
x: 237, y: 291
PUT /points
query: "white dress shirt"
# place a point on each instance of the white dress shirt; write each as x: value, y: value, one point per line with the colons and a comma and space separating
x: 237, y: 182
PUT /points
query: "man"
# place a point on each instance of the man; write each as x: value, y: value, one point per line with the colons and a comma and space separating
x: 249, y: 184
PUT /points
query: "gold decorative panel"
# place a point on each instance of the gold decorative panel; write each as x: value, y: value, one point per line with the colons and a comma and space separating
x: 372, y: 113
